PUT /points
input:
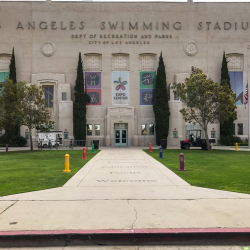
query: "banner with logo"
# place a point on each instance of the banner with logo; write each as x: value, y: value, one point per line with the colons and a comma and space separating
x: 120, y: 87
x: 147, y: 96
x: 93, y: 87
x: 147, y: 80
x: 147, y: 87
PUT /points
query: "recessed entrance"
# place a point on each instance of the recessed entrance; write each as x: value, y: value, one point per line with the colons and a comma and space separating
x: 121, y: 134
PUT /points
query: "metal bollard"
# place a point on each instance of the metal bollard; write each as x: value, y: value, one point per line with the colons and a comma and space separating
x: 66, y: 164
x: 161, y: 152
x: 150, y: 148
x: 182, y: 162
x: 6, y: 148
x: 236, y: 146
x: 93, y: 148
x: 84, y: 154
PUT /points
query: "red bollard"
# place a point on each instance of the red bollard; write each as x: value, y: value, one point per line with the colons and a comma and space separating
x: 150, y: 148
x: 6, y: 148
x: 182, y: 162
x: 84, y: 154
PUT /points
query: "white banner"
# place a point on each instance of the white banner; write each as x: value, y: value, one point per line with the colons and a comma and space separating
x: 120, y: 82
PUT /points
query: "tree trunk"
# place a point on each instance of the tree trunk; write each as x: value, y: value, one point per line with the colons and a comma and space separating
x: 31, y: 142
x: 207, y: 139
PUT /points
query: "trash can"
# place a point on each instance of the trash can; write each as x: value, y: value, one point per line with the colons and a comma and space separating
x: 164, y: 143
x: 96, y: 144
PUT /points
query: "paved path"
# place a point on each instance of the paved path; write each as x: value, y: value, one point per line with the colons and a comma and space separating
x: 124, y: 188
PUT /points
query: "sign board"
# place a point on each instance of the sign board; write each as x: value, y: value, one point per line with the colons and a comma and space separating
x: 120, y: 87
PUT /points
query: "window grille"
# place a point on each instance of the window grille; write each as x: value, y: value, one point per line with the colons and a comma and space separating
x: 64, y: 96
x: 147, y: 62
x: 5, y: 62
x: 120, y: 62
x: 235, y: 62
x: 93, y: 62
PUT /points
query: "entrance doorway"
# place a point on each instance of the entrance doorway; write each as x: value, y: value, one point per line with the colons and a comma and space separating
x: 121, y: 134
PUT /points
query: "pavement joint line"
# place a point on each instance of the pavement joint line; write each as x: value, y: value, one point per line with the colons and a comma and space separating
x: 127, y: 231
x: 92, y: 161
x: 125, y: 199
x: 9, y: 207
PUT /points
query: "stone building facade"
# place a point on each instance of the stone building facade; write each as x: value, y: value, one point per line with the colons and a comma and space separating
x: 120, y: 44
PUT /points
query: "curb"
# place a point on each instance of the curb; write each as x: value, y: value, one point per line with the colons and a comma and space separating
x: 202, y: 236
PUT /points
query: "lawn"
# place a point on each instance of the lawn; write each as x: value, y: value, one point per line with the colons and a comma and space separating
x: 217, y: 169
x: 26, y: 171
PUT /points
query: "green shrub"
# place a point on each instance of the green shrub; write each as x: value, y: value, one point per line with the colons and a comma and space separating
x: 229, y: 140
x: 12, y: 141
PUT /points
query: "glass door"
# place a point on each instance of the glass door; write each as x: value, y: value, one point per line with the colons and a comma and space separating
x: 121, y: 134
x: 121, y: 137
x: 117, y: 137
x: 124, y: 137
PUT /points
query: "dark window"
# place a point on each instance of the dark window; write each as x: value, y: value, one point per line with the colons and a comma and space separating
x: 213, y: 134
x: 175, y: 134
x: 176, y: 97
x: 236, y: 82
x: 151, y: 129
x: 97, y: 129
x: 240, y: 128
x: 66, y: 135
x: 27, y: 135
x: 89, y: 129
x: 144, y: 129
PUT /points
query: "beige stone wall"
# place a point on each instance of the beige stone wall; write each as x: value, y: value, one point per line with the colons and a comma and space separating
x: 205, y: 25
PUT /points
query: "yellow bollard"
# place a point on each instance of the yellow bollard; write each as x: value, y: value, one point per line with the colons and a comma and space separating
x: 236, y: 146
x: 66, y: 164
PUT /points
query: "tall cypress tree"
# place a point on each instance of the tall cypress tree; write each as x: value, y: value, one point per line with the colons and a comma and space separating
x: 161, y: 107
x: 12, y: 75
x: 227, y: 127
x: 79, y: 105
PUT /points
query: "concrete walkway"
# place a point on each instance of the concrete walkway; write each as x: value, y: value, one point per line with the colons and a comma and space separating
x: 124, y: 188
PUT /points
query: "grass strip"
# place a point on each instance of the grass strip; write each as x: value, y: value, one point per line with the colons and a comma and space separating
x: 216, y: 169
x: 26, y: 171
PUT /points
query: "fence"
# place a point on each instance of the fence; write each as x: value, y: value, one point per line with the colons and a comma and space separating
x: 55, y: 144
